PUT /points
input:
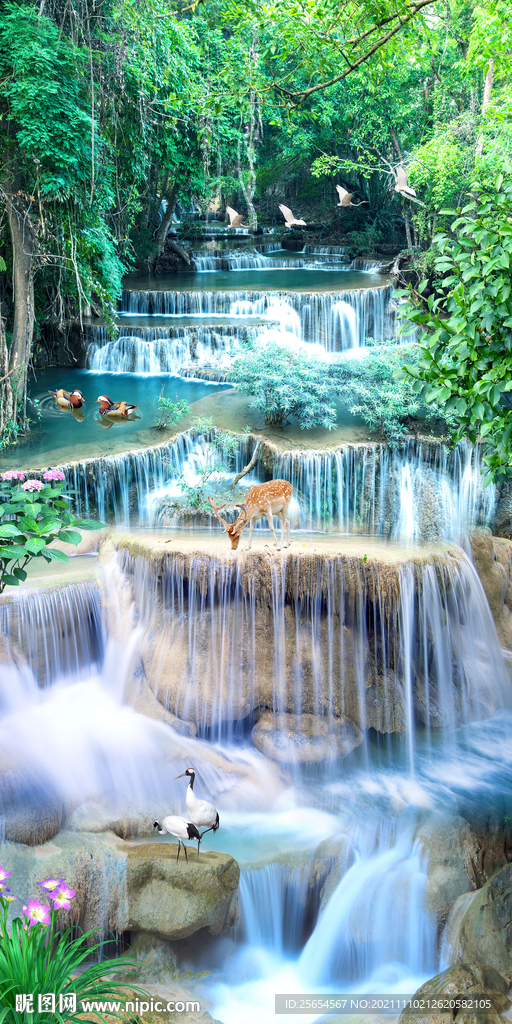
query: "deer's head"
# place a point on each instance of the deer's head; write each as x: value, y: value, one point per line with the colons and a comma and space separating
x: 233, y: 530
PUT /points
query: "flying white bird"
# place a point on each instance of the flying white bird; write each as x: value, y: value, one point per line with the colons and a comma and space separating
x: 235, y: 219
x: 346, y: 197
x: 200, y: 812
x: 289, y: 218
x: 403, y: 188
x: 179, y: 827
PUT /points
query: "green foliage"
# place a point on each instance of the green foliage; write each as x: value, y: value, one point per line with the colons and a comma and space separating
x: 371, y: 388
x: 218, y: 454
x: 284, y: 383
x: 168, y: 412
x: 40, y: 959
x: 467, y: 329
x: 29, y: 521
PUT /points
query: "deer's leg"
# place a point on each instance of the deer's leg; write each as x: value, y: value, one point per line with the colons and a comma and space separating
x: 249, y: 542
x: 271, y: 526
x: 288, y: 521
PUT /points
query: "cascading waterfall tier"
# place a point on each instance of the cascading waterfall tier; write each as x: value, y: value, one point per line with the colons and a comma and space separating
x: 154, y: 350
x: 58, y: 632
x: 384, y: 640
x: 334, y: 320
x: 415, y: 491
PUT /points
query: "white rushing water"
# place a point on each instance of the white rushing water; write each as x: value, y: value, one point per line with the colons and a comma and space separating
x: 371, y: 931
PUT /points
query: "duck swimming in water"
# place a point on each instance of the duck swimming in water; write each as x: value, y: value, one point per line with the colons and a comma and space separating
x: 68, y: 399
x: 110, y: 408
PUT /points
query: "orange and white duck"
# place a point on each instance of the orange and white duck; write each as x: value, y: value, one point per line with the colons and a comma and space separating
x: 68, y: 399
x: 110, y: 408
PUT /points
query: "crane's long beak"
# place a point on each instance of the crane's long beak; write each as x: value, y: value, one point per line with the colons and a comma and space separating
x: 181, y: 776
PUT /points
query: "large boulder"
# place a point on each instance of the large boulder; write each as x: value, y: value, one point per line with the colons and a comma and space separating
x: 460, y: 985
x: 125, y: 886
x: 451, y: 852
x: 173, y: 899
x: 492, y: 557
x: 480, y: 927
x: 305, y: 738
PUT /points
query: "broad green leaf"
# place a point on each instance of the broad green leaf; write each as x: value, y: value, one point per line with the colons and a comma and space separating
x: 35, y: 544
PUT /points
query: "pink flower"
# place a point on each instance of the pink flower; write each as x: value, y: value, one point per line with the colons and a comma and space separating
x: 4, y: 874
x: 51, y: 883
x: 53, y: 474
x: 62, y: 897
x: 13, y: 474
x: 32, y: 485
x: 37, y: 913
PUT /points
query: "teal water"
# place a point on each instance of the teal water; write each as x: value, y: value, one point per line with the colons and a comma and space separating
x: 59, y: 436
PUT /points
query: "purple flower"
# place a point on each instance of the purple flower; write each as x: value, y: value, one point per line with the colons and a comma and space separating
x: 37, y: 913
x: 4, y: 874
x: 53, y: 474
x: 13, y: 474
x: 52, y: 883
x: 32, y: 485
x: 62, y: 897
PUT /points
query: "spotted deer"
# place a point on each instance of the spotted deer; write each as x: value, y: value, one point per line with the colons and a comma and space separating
x: 270, y: 499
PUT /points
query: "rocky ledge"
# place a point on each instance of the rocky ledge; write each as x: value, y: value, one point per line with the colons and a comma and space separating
x: 131, y: 886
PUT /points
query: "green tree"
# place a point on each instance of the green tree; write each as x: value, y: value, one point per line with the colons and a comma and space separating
x: 286, y: 383
x: 466, y: 332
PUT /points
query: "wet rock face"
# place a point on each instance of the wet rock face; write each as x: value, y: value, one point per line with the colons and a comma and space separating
x: 174, y: 901
x: 451, y: 850
x: 481, y: 931
x: 130, y: 887
x: 323, y: 633
x: 458, y: 985
x: 493, y: 562
x: 304, y: 738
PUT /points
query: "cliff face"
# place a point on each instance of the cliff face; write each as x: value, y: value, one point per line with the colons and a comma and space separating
x: 385, y: 638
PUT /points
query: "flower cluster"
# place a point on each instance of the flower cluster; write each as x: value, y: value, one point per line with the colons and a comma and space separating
x: 37, y: 912
x: 13, y: 474
x: 59, y: 892
x: 32, y: 485
x: 54, y: 474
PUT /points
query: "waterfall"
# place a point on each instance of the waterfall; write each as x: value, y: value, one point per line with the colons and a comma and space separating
x: 334, y: 636
x: 376, y: 916
x: 415, y: 491
x: 318, y: 311
x: 155, y: 350
x: 59, y: 633
x: 274, y: 904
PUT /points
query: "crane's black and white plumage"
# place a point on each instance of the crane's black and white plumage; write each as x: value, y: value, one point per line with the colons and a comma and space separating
x: 346, y: 197
x: 201, y: 812
x: 403, y: 188
x: 290, y: 220
x: 173, y: 825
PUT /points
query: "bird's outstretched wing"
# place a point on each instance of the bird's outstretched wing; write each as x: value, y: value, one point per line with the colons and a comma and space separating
x: 232, y: 214
x: 287, y: 213
x: 401, y: 182
x: 345, y: 196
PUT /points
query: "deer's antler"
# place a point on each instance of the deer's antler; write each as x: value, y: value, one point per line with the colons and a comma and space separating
x: 216, y: 509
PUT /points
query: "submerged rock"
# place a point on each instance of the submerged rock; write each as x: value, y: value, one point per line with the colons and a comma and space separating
x: 305, y: 738
x: 130, y: 887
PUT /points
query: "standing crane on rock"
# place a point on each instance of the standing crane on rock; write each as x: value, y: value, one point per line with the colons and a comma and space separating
x: 201, y: 812
x: 182, y: 829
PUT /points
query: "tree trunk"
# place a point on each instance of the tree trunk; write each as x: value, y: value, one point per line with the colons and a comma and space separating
x: 6, y: 395
x: 407, y: 229
x: 166, y: 221
x: 22, y: 237
x: 488, y: 84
